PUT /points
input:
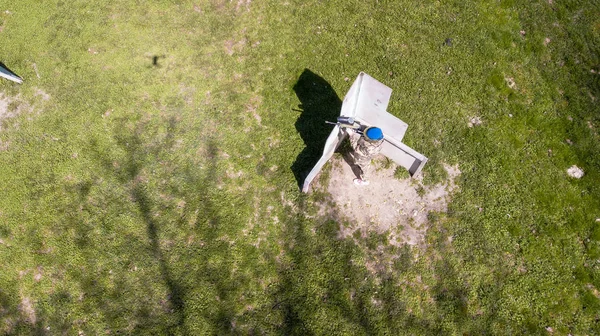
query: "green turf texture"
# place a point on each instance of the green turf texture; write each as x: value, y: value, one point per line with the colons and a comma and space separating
x: 152, y: 192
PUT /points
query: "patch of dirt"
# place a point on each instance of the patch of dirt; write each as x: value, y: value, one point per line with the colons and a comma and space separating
x: 188, y: 93
x: 38, y: 274
x: 474, y: 121
x: 231, y: 46
x: 252, y: 108
x: 11, y: 107
x: 8, y: 108
x: 42, y: 94
x: 387, y: 204
x: 27, y: 311
x: 593, y: 290
x: 232, y: 174
x: 245, y: 3
x: 510, y: 82
x: 4, y: 145
x: 547, y: 41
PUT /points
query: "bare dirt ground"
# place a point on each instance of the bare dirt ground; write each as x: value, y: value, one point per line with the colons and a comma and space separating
x: 5, y: 111
x: 11, y: 107
x: 387, y: 204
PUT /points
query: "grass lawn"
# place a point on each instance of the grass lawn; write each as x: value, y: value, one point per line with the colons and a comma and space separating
x: 149, y: 167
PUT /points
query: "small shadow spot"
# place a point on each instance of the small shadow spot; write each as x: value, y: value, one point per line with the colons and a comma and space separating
x: 155, y: 59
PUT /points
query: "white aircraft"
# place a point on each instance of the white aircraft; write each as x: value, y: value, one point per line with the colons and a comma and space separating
x: 366, y: 102
x: 4, y: 72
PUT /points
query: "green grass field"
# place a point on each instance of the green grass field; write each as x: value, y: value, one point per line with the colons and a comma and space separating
x: 149, y: 164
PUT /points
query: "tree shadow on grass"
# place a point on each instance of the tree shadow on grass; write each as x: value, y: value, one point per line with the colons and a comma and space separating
x: 320, y: 285
x: 319, y: 103
x: 165, y: 223
x: 325, y: 288
x: 128, y: 172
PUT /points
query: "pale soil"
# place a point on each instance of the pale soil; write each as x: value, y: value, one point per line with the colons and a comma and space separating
x: 387, y: 204
x: 11, y: 107
x: 27, y: 311
x: 5, y: 110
